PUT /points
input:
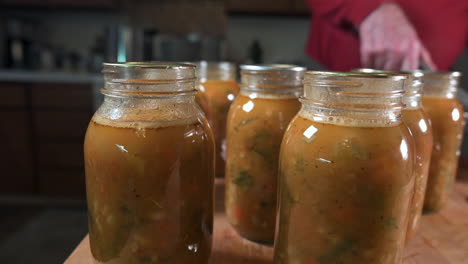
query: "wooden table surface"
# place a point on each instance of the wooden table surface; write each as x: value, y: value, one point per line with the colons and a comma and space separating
x: 443, y: 238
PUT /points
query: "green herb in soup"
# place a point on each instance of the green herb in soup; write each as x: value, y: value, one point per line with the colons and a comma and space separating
x: 253, y: 143
x: 149, y: 193
x: 344, y: 194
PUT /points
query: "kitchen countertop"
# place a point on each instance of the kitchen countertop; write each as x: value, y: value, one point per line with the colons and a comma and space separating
x: 7, y: 75
x: 442, y: 238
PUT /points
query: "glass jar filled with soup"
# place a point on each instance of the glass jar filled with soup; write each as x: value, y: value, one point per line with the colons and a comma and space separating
x: 417, y: 120
x: 217, y: 88
x: 149, y: 160
x: 346, y: 172
x: 446, y: 114
x: 256, y: 122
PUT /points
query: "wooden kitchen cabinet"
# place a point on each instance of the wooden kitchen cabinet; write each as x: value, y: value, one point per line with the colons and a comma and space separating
x: 16, y: 152
x: 99, y: 4
x: 61, y: 113
x: 277, y: 7
x: 280, y: 7
x: 61, y: 169
x: 61, y: 125
x: 83, y: 3
x: 259, y: 6
x: 301, y: 7
x: 63, y: 183
x: 61, y: 96
x: 13, y: 95
x: 43, y: 127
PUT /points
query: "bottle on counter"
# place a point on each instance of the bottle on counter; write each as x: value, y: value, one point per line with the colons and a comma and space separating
x: 346, y: 172
x: 149, y: 160
x: 217, y: 88
x: 446, y: 114
x: 258, y: 117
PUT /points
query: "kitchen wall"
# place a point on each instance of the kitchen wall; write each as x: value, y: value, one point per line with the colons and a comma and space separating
x: 282, y: 39
x: 75, y: 30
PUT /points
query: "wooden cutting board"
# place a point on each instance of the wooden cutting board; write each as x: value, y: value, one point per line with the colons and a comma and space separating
x: 443, y: 237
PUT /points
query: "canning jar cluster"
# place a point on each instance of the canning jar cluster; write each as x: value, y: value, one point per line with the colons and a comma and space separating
x: 329, y: 167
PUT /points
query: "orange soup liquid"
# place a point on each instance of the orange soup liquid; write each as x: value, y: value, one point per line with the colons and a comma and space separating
x: 215, y: 98
x: 419, y: 125
x: 344, y: 193
x: 255, y: 130
x: 447, y: 127
x: 149, y: 192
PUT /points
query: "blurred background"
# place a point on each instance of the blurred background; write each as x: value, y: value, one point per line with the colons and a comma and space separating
x: 51, y: 53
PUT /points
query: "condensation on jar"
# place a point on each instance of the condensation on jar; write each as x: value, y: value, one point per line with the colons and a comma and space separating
x: 149, y: 161
x: 447, y: 118
x: 346, y: 172
x: 256, y: 123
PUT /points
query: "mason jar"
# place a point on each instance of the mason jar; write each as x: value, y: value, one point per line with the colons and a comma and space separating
x: 149, y: 160
x: 417, y: 120
x: 217, y: 88
x: 346, y: 172
x: 446, y: 114
x: 256, y: 123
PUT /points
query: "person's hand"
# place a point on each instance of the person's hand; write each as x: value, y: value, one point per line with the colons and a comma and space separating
x: 390, y: 42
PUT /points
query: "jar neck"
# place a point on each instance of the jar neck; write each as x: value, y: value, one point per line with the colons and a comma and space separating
x: 412, y: 102
x: 413, y: 90
x: 413, y: 85
x: 216, y: 71
x: 350, y: 117
x: 443, y: 85
x: 272, y: 80
x: 144, y: 112
x: 148, y: 80
x: 149, y: 94
x: 353, y: 99
x: 271, y: 93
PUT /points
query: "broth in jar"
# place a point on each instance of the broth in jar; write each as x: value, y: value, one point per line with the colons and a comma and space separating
x: 217, y: 89
x: 417, y: 120
x: 149, y: 159
x: 346, y: 173
x: 256, y: 124
x: 446, y: 114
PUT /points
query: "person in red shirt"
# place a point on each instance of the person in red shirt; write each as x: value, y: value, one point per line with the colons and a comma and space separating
x: 388, y: 35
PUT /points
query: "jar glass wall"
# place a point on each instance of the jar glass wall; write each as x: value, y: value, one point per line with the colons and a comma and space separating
x: 346, y: 172
x: 446, y: 114
x: 256, y: 123
x: 418, y: 122
x: 217, y: 88
x: 149, y: 160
